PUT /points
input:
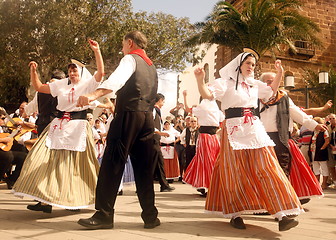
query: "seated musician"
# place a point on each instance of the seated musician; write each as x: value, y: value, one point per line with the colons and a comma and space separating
x: 8, y: 157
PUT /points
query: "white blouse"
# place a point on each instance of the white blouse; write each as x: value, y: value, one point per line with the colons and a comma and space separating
x: 64, y: 133
x: 208, y: 113
x: 245, y: 132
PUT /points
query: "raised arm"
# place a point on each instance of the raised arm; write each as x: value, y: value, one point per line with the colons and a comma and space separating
x: 318, y: 110
x: 203, y: 90
x: 35, y: 80
x: 187, y: 109
x: 99, y: 60
x: 278, y: 77
x: 86, y: 99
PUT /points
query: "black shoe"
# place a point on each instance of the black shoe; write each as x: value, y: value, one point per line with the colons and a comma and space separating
x: 9, y: 183
x: 237, y: 223
x: 287, y: 223
x: 95, y: 223
x: 152, y: 224
x: 167, y: 189
x: 121, y: 192
x: 304, y: 201
x: 202, y: 191
x: 73, y: 210
x: 262, y: 213
x: 40, y: 207
x: 170, y: 180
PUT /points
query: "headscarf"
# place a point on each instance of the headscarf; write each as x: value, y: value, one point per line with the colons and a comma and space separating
x: 232, y: 69
x: 82, y: 70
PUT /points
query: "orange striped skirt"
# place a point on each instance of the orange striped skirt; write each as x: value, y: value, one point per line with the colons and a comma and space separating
x: 171, y: 165
x: 249, y: 181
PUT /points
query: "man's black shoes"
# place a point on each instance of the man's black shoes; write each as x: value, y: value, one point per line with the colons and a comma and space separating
x: 153, y: 224
x: 167, y: 189
x: 95, y: 223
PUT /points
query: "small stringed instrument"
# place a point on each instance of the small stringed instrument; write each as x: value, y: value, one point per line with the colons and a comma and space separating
x: 7, y: 146
x: 13, y: 123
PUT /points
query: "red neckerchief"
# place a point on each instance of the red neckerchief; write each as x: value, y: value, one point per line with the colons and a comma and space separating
x: 143, y: 55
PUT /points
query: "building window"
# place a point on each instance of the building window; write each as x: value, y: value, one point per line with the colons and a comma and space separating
x: 304, y: 48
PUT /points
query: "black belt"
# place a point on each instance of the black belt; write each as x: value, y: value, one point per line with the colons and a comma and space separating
x: 164, y: 144
x: 208, y: 129
x: 73, y: 115
x: 238, y: 112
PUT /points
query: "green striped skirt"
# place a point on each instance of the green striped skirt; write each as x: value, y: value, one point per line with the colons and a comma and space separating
x: 61, y: 178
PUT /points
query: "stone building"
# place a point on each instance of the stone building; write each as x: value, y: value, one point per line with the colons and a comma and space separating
x: 322, y: 12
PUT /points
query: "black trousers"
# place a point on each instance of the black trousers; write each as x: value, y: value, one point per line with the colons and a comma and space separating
x: 282, y: 152
x: 190, y: 151
x: 181, y: 156
x: 7, y: 159
x: 159, y: 170
x: 130, y: 133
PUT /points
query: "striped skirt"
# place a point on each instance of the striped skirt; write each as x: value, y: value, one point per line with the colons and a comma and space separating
x: 61, y: 178
x: 128, y: 176
x: 199, y: 172
x: 249, y: 181
x: 171, y: 163
x: 301, y: 176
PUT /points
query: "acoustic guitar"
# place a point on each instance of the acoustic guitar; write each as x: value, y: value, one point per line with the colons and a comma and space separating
x: 7, y: 146
x: 13, y: 123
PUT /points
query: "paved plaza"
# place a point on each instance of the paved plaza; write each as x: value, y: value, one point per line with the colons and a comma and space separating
x: 181, y: 213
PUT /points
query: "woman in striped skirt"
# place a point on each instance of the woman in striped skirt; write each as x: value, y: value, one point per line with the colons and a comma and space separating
x: 171, y: 163
x: 61, y: 169
x: 199, y: 172
x: 247, y: 177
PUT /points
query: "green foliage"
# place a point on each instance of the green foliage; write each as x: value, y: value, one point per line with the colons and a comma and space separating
x: 261, y: 24
x: 54, y: 31
x: 321, y: 95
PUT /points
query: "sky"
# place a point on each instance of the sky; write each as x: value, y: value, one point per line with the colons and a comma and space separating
x: 195, y: 10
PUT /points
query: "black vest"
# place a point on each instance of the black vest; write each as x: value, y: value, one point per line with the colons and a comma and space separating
x: 157, y: 123
x: 138, y: 93
x: 282, y: 118
x: 46, y: 107
x: 188, y: 135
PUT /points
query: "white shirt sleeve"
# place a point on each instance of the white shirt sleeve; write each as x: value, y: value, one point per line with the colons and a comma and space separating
x: 120, y: 76
x: 182, y: 136
x: 32, y: 106
x: 301, y: 117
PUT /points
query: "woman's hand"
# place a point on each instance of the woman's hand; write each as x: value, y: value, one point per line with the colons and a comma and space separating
x: 94, y: 45
x: 199, y: 74
x: 33, y: 65
x: 278, y: 65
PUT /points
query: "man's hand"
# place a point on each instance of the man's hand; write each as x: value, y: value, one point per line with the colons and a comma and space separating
x: 164, y: 134
x: 84, y: 100
x: 321, y: 127
x: 328, y: 105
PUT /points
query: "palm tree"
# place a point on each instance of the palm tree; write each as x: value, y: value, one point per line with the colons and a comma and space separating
x: 262, y: 25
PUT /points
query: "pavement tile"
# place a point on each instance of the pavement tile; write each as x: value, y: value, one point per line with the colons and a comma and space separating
x: 181, y: 213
